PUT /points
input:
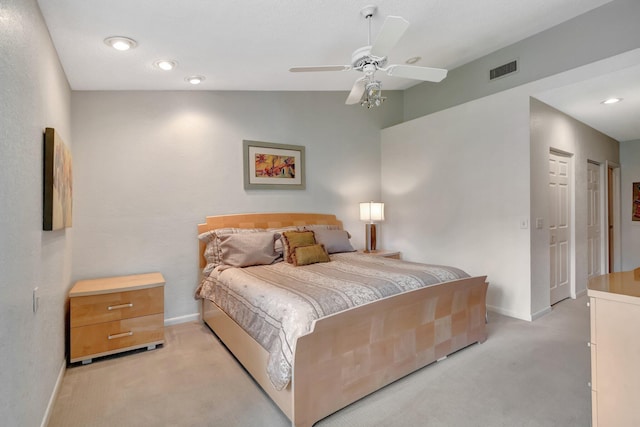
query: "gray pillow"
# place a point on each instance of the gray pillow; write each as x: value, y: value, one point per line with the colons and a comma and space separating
x: 211, y: 239
x: 334, y: 241
x: 246, y: 249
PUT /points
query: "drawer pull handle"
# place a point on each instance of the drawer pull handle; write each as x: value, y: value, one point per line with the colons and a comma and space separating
x: 122, y: 335
x: 116, y: 307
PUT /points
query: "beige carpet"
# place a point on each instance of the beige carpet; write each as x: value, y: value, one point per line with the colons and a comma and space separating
x: 525, y: 374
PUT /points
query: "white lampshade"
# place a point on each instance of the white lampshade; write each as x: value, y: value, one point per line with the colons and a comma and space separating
x: 371, y: 211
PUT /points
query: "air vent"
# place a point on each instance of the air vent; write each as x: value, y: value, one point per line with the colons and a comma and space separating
x: 503, y: 70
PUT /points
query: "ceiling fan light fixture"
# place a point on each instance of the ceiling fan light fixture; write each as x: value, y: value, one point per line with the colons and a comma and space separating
x: 166, y: 64
x: 120, y: 43
x: 194, y: 80
x: 372, y: 96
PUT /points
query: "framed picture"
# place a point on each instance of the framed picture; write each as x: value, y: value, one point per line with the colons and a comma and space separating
x: 635, y: 201
x: 273, y: 166
x: 58, y: 183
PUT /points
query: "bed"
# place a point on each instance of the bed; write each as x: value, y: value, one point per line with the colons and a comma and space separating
x: 349, y: 354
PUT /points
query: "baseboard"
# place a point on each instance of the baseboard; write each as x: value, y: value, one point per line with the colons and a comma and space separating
x: 182, y: 319
x: 54, y: 394
x: 508, y: 313
x: 541, y: 313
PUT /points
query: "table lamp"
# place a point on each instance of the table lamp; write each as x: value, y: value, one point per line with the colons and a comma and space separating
x: 370, y: 212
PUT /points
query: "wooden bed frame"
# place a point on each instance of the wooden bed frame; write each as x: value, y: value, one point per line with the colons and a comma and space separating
x: 353, y: 353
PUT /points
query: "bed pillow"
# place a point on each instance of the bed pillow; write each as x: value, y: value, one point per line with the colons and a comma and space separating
x: 247, y: 249
x: 211, y: 239
x: 279, y: 242
x: 334, y: 241
x: 311, y: 254
x: 293, y: 239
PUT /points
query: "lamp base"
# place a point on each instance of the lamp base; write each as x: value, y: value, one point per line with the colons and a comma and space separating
x: 370, y: 240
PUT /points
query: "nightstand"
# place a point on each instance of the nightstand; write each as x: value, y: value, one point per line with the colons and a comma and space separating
x: 115, y: 314
x: 383, y: 253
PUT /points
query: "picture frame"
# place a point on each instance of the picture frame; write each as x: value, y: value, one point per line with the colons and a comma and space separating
x: 58, y: 183
x: 270, y: 166
x: 635, y: 202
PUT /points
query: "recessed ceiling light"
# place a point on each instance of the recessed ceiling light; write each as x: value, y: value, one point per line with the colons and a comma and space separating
x: 611, y: 101
x: 195, y: 80
x: 413, y: 60
x: 166, y: 64
x: 120, y: 43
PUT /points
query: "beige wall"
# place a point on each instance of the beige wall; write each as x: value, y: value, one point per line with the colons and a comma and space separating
x: 456, y: 186
x: 34, y: 95
x: 552, y: 129
x: 151, y: 165
x: 458, y: 183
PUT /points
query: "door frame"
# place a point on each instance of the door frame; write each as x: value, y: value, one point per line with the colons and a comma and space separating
x: 602, y: 205
x: 572, y: 218
x: 615, y: 200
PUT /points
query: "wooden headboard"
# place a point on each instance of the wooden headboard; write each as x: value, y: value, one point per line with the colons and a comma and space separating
x: 261, y: 220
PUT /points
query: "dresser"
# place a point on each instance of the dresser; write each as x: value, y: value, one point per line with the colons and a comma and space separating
x: 114, y: 314
x: 614, y: 301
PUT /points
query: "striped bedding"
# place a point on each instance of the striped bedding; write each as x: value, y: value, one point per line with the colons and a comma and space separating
x: 278, y: 303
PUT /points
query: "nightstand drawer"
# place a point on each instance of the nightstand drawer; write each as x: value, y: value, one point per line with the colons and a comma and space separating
x: 111, y: 337
x: 90, y: 309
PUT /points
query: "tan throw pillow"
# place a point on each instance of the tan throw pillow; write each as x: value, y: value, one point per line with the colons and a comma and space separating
x: 293, y: 239
x: 312, y: 254
x: 247, y: 249
x: 279, y: 243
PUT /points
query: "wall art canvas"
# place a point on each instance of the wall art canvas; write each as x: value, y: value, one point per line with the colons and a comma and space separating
x: 58, y: 182
x: 635, y: 216
x: 273, y: 166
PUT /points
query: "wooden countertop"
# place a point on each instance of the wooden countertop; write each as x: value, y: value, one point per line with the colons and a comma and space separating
x: 617, y: 286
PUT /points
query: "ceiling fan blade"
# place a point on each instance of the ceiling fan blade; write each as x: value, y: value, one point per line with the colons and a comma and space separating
x: 320, y: 68
x: 356, y: 92
x: 391, y: 32
x: 417, y: 73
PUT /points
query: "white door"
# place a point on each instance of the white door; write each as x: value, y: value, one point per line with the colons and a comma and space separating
x: 560, y: 226
x: 594, y: 232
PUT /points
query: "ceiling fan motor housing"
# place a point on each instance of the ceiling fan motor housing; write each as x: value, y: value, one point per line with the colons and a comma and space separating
x: 362, y: 57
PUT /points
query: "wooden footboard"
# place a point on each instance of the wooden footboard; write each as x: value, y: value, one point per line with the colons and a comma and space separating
x: 351, y: 354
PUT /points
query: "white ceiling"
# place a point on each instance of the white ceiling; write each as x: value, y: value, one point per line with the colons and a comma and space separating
x: 251, y: 44
x: 583, y: 101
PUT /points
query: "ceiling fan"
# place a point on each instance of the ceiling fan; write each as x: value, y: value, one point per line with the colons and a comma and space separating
x: 371, y: 58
